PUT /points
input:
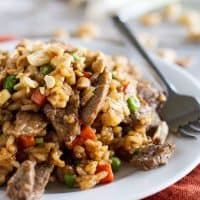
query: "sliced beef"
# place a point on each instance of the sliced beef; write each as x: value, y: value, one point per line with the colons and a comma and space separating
x: 149, y: 94
x: 145, y: 111
x: 42, y: 174
x: 29, y: 182
x: 65, y: 120
x: 152, y: 156
x: 155, y: 130
x: 95, y: 103
x: 28, y: 123
x: 20, y: 185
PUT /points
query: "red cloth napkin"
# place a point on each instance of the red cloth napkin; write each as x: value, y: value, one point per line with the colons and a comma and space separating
x: 7, y: 38
x: 187, y: 188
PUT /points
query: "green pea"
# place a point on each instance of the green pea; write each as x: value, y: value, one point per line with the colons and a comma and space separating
x: 75, y: 56
x: 70, y: 179
x: 46, y: 69
x: 39, y: 140
x: 133, y: 104
x: 113, y: 75
x: 115, y: 163
x: 10, y: 82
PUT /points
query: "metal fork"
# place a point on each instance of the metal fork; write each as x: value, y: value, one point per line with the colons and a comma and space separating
x: 181, y: 112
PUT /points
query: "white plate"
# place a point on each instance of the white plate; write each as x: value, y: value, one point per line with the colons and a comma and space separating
x: 130, y: 184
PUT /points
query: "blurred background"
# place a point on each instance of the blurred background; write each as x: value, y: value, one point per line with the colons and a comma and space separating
x: 169, y: 28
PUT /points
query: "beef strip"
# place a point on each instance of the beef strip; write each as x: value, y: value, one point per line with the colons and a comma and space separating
x: 149, y: 94
x: 66, y: 130
x: 28, y: 123
x: 42, y: 174
x: 145, y: 110
x: 29, y: 182
x: 95, y: 103
x: 20, y: 185
x: 153, y: 128
x: 152, y: 156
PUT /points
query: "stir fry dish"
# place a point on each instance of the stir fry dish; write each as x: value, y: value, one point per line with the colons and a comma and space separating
x: 74, y: 116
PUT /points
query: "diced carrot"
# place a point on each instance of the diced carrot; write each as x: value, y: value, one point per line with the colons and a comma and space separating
x: 6, y: 38
x: 87, y: 74
x: 77, y: 141
x: 26, y: 141
x: 106, y: 167
x: 37, y: 97
x: 125, y: 87
x: 86, y: 133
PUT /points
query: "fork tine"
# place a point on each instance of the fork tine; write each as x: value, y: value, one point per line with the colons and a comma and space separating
x: 186, y: 133
x: 194, y: 127
x: 196, y: 123
x: 189, y: 129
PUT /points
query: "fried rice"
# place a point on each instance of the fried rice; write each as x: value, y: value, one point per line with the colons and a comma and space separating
x: 74, y: 113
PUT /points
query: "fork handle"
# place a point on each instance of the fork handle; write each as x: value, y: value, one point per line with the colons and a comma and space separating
x: 124, y: 28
